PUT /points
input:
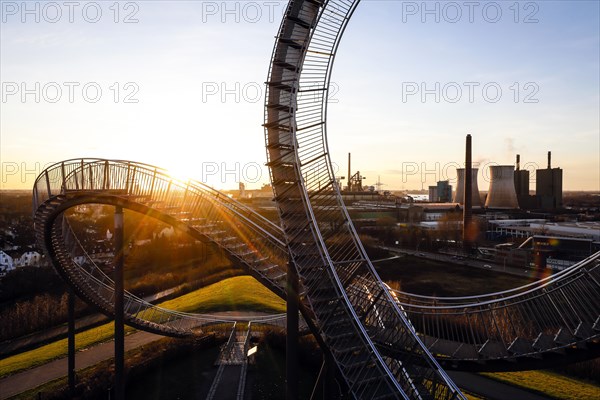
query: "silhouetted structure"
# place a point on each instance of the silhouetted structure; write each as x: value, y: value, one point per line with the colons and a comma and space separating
x: 459, y: 194
x: 494, y: 342
x: 522, y: 187
x: 548, y: 186
x: 433, y: 194
x: 467, y: 191
x: 521, y: 179
x: 444, y: 192
x: 502, y: 188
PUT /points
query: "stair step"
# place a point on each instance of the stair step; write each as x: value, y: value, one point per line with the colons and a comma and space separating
x: 596, y: 326
x: 286, y: 65
x: 544, y: 342
x: 493, y: 349
x: 280, y: 107
x: 521, y: 346
x: 299, y: 22
x: 563, y: 336
x: 443, y: 347
x: 584, y: 330
x: 349, y: 349
x: 292, y: 43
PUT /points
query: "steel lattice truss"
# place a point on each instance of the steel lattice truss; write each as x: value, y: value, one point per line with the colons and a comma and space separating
x: 383, y: 342
x: 202, y: 212
x: 377, y: 349
x: 550, y: 321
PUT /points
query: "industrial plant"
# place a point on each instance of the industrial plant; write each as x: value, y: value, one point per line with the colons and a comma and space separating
x: 506, y: 224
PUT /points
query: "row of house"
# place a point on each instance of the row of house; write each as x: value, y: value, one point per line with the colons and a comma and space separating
x: 27, y: 259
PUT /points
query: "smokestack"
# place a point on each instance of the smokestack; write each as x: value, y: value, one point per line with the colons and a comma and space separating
x: 518, y: 162
x: 468, y: 200
x: 549, y: 160
x: 349, y: 174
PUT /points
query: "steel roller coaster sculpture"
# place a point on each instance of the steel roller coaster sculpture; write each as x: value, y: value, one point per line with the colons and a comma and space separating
x: 385, y: 344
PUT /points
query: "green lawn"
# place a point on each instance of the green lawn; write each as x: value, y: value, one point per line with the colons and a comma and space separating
x: 550, y: 384
x: 241, y: 293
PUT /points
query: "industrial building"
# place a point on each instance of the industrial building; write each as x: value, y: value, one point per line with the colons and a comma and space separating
x: 526, y: 201
x: 502, y: 192
x: 548, y: 186
x: 459, y: 195
x: 433, y: 196
x: 441, y: 193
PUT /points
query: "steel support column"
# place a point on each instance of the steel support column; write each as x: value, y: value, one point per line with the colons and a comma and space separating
x: 71, y: 341
x: 291, y: 348
x: 467, y: 198
x: 119, y: 307
x: 329, y: 385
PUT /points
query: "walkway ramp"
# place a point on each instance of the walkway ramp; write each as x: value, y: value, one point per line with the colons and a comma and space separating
x: 230, y: 380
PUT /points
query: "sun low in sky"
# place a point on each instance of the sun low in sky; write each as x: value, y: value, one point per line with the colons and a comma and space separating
x: 181, y: 85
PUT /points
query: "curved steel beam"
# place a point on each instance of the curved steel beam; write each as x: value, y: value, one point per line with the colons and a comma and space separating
x: 203, y: 213
x: 353, y: 308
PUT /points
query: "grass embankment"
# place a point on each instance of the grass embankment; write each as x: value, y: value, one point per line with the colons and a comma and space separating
x: 549, y: 384
x: 241, y: 293
x: 434, y: 278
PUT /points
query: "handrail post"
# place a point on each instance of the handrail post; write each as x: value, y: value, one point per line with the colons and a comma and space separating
x: 291, y: 348
x: 106, y: 183
x: 48, y: 185
x: 64, y: 176
x: 119, y: 309
x: 71, y: 341
x: 127, y: 178
x: 82, y: 175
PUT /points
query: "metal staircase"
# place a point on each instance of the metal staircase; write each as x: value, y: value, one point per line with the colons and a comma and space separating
x: 202, y: 212
x: 551, y: 321
x: 554, y: 320
x: 232, y: 362
x: 320, y: 237
x: 381, y: 341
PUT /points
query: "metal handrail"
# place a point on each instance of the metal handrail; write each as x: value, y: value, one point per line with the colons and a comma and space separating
x: 70, y: 172
x: 292, y: 150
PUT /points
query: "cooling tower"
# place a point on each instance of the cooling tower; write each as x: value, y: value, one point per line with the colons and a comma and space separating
x: 460, y: 188
x: 502, y: 192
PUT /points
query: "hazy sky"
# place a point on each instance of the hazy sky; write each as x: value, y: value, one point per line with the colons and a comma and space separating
x: 180, y: 84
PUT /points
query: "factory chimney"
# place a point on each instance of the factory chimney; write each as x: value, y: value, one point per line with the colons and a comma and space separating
x: 349, y: 174
x: 518, y: 162
x: 467, y: 197
x: 549, y: 160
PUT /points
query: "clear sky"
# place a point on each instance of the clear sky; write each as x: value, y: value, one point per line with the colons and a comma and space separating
x: 181, y: 86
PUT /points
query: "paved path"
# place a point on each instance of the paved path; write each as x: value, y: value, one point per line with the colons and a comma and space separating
x: 32, y: 378
x: 35, y: 377
x: 24, y: 343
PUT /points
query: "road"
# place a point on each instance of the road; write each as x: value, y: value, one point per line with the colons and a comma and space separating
x: 449, y: 258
